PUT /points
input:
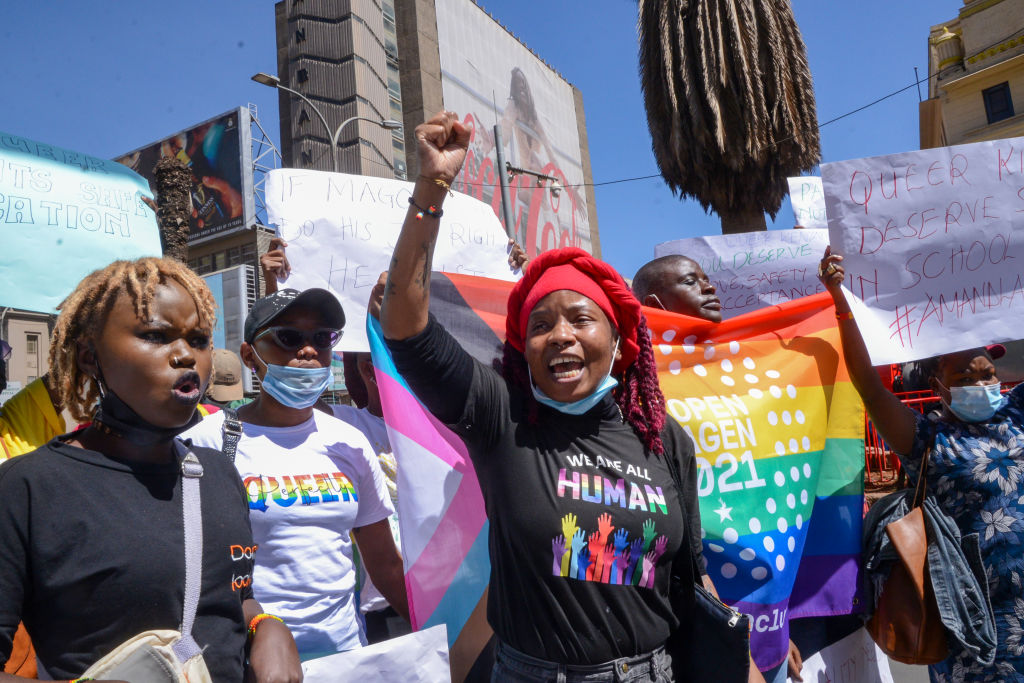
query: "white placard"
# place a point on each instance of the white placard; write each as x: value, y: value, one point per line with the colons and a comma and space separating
x: 341, y: 231
x: 854, y: 659
x: 808, y: 200
x: 933, y: 246
x: 419, y: 657
x: 755, y: 269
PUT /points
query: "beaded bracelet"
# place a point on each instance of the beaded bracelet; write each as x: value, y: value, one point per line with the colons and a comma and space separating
x: 431, y: 211
x: 845, y: 316
x: 259, y: 618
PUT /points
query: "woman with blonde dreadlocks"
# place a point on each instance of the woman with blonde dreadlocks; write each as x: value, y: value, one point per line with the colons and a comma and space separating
x: 91, y: 524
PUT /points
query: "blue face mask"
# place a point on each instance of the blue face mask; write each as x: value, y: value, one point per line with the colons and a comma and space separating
x: 584, y: 404
x: 976, y: 403
x: 295, y: 387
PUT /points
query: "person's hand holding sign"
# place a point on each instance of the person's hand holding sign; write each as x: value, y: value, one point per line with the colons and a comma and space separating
x: 831, y: 273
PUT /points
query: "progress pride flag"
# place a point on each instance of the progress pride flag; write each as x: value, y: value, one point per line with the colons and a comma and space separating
x: 933, y: 250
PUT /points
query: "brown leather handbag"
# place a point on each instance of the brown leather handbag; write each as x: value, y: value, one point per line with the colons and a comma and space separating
x: 22, y: 661
x: 906, y: 624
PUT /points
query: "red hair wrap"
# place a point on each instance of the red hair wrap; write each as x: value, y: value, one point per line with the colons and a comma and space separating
x: 577, y: 271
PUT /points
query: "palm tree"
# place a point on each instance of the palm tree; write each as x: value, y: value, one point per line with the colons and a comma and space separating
x: 173, y: 206
x: 730, y: 103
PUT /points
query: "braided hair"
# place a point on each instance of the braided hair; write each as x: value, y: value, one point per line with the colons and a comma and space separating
x: 84, y: 313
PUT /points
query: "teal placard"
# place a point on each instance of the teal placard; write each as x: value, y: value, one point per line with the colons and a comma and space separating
x: 63, y: 215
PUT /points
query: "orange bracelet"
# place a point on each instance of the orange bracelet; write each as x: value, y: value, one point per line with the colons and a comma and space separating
x: 257, y: 619
x: 845, y: 316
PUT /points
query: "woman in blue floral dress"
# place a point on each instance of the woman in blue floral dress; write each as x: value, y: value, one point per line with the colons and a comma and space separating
x: 975, y: 473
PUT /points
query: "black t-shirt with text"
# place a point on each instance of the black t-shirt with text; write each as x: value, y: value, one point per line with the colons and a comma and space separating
x: 585, y: 524
x: 92, y: 553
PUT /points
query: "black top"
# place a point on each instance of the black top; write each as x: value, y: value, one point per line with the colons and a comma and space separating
x: 93, y: 553
x: 585, y: 524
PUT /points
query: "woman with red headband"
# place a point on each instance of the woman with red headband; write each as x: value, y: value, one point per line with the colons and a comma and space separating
x: 569, y: 442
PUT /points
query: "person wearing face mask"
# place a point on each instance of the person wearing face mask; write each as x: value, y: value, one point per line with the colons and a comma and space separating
x: 311, y: 479
x: 92, y: 549
x: 975, y: 470
x: 571, y: 446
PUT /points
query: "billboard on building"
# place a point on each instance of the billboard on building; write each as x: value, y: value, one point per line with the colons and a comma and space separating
x: 488, y: 77
x: 219, y: 153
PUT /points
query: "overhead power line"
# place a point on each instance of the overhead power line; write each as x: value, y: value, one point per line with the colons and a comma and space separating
x: 859, y: 109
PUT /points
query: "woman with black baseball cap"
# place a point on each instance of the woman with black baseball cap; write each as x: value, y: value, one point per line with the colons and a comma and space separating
x: 311, y: 479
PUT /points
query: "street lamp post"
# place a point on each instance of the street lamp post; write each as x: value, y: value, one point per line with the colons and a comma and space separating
x: 275, y: 82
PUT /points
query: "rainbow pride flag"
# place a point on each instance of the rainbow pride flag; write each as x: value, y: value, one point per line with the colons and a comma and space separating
x: 778, y: 430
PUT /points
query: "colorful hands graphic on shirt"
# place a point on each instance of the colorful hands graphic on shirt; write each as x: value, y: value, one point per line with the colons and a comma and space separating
x: 578, y: 542
x: 584, y: 564
x: 647, y: 578
x: 569, y: 529
x: 635, y: 552
x: 569, y: 525
x: 605, y: 527
x: 595, y: 546
x: 621, y: 564
x: 557, y: 550
x: 607, y: 557
x: 649, y: 533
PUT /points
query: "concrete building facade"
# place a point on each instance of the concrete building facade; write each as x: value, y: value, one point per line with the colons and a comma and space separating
x: 28, y: 334
x: 343, y: 56
x: 976, y: 63
x: 384, y: 59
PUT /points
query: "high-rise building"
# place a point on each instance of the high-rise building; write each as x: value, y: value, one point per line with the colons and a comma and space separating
x: 343, y: 56
x: 408, y: 59
x: 976, y: 64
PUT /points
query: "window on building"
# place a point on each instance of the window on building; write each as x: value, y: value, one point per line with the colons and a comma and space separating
x: 32, y: 353
x: 203, y: 265
x: 249, y: 253
x: 998, y: 105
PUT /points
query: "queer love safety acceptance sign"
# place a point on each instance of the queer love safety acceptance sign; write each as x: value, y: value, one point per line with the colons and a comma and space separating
x: 933, y: 243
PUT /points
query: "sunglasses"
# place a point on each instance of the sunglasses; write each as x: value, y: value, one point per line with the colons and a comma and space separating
x: 291, y: 339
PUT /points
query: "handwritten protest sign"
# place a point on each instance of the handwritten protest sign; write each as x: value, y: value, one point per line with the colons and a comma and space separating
x: 62, y: 215
x: 808, y: 200
x: 755, y: 269
x: 341, y: 231
x: 854, y: 659
x: 933, y: 246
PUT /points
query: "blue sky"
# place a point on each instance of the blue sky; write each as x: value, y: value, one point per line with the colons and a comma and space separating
x: 104, y: 78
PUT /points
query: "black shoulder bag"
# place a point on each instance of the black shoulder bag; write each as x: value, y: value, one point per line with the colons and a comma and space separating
x: 712, y: 643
